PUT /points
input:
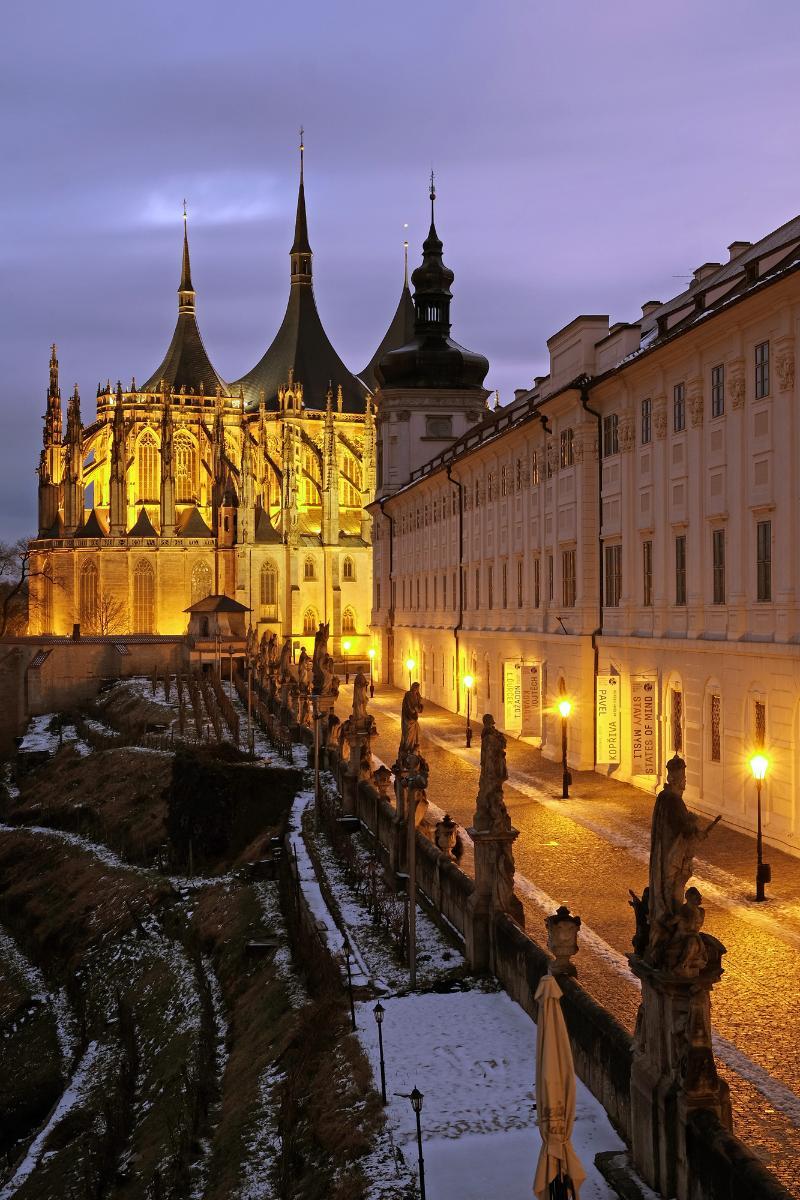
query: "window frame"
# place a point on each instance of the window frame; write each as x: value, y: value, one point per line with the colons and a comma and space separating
x: 718, y: 390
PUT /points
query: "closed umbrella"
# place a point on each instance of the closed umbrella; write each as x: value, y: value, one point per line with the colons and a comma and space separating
x: 559, y: 1173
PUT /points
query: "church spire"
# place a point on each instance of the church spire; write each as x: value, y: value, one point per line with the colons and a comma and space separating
x: 52, y: 419
x: 185, y: 291
x: 300, y: 253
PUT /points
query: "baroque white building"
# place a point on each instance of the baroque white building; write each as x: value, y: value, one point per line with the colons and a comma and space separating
x: 625, y: 533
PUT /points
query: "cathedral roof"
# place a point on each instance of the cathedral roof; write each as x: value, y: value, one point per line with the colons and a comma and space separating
x: 92, y: 527
x: 265, y: 531
x: 142, y: 526
x: 301, y: 350
x: 191, y: 524
x: 186, y: 363
x: 399, y: 333
x: 430, y: 358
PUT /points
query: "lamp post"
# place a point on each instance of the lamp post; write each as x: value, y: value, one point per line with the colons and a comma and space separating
x: 416, y: 1099
x: 410, y: 664
x: 565, y: 708
x: 758, y: 765
x: 371, y: 653
x: 379, y: 1012
x: 346, y: 648
x: 468, y: 685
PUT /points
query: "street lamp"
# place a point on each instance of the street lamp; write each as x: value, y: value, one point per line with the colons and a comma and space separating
x: 759, y: 764
x: 379, y: 1012
x: 416, y: 1099
x: 468, y: 684
x: 565, y: 708
x: 346, y: 648
x: 410, y: 664
x: 371, y: 653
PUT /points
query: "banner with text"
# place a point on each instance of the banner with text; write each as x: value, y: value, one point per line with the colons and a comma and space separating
x: 607, y: 693
x: 531, y: 695
x: 644, y: 725
x: 512, y: 695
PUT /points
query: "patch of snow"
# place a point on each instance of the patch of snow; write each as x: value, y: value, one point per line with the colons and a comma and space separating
x: 473, y: 1056
x: 262, y: 1142
x: 63, y: 1016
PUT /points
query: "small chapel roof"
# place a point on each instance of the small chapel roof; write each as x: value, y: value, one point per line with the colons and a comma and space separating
x: 399, y: 333
x: 191, y: 524
x: 217, y: 604
x: 142, y: 526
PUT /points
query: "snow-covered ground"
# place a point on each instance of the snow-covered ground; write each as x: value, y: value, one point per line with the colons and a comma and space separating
x: 473, y: 1057
x: 472, y: 1054
x: 42, y: 736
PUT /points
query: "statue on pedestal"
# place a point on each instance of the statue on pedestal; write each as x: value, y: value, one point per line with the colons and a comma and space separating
x: 674, y: 837
x: 272, y: 652
x: 285, y: 662
x: 360, y: 694
x: 491, y: 814
x: 409, y: 722
x: 304, y: 670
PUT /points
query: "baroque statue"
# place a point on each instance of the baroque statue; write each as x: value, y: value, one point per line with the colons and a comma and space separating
x: 491, y: 814
x: 409, y: 722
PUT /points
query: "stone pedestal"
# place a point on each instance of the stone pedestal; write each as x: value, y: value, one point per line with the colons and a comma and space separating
x: 494, y: 893
x: 673, y: 1070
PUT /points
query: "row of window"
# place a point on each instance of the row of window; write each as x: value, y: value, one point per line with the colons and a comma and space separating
x: 610, y: 428
x: 613, y: 569
x: 757, y: 722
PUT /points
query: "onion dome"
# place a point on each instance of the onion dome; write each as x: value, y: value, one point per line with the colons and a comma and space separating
x: 431, y: 359
x: 186, y: 363
x: 301, y: 352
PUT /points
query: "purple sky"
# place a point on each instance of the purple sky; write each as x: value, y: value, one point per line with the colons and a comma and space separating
x: 586, y: 155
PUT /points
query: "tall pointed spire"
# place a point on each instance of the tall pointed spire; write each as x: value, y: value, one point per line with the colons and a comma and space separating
x: 52, y: 420
x: 185, y: 291
x: 300, y: 253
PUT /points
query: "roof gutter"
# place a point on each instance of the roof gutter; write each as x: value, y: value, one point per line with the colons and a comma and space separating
x: 457, y: 630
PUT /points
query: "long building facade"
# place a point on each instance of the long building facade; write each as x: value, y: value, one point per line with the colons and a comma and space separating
x: 625, y: 535
x: 189, y: 485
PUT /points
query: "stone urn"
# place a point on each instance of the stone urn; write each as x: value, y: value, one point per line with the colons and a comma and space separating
x: 562, y: 940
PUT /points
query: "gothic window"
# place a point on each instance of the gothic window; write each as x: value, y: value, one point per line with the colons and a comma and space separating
x: 185, y: 468
x: 201, y: 581
x: 348, y: 569
x: 46, y: 594
x: 148, y: 467
x: 309, y: 622
x: 88, y: 595
x: 144, y: 598
x: 269, y: 585
x: 348, y: 621
x: 308, y: 569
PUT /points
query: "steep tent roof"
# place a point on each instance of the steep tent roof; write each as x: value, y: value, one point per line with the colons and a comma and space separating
x: 186, y: 363
x: 265, y: 531
x: 399, y: 333
x: 191, y: 524
x: 143, y: 526
x: 301, y: 350
x: 92, y: 527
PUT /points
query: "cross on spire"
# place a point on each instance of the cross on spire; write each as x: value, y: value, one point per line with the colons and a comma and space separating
x: 432, y: 193
x: 302, y: 148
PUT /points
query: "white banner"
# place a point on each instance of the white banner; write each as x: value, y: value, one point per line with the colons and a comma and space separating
x: 644, y: 725
x: 607, y: 693
x: 512, y: 695
x: 531, y: 692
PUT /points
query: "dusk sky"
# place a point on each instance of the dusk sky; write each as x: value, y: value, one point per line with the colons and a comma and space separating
x: 588, y: 157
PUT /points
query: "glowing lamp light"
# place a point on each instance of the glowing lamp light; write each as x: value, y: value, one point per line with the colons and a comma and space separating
x: 371, y: 652
x: 565, y: 708
x: 759, y: 764
x: 468, y: 682
x: 346, y: 646
x: 410, y: 664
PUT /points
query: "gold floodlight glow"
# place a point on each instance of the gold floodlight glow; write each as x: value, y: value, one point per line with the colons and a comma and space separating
x: 759, y: 764
x: 565, y: 708
x: 468, y: 682
x: 371, y: 652
x: 410, y: 664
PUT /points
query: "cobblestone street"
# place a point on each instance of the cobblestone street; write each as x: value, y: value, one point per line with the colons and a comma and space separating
x: 587, y: 852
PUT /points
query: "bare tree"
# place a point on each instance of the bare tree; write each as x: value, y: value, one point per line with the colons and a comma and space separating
x: 111, y: 615
x: 17, y: 568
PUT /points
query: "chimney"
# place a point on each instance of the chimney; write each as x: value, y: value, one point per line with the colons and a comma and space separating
x: 737, y: 248
x: 519, y: 392
x: 706, y: 269
x: 650, y: 306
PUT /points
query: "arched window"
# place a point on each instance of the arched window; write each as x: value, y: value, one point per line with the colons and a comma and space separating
x: 308, y: 569
x: 310, y: 623
x: 144, y: 598
x: 185, y: 468
x: 201, y: 581
x: 46, y: 598
x: 348, y: 621
x: 88, y: 597
x: 269, y: 591
x: 147, y: 467
x: 348, y: 568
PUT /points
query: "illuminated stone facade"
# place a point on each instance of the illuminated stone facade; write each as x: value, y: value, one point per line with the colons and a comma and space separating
x: 189, y: 485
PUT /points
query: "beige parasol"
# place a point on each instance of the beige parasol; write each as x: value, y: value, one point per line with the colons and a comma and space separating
x: 558, y: 1165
